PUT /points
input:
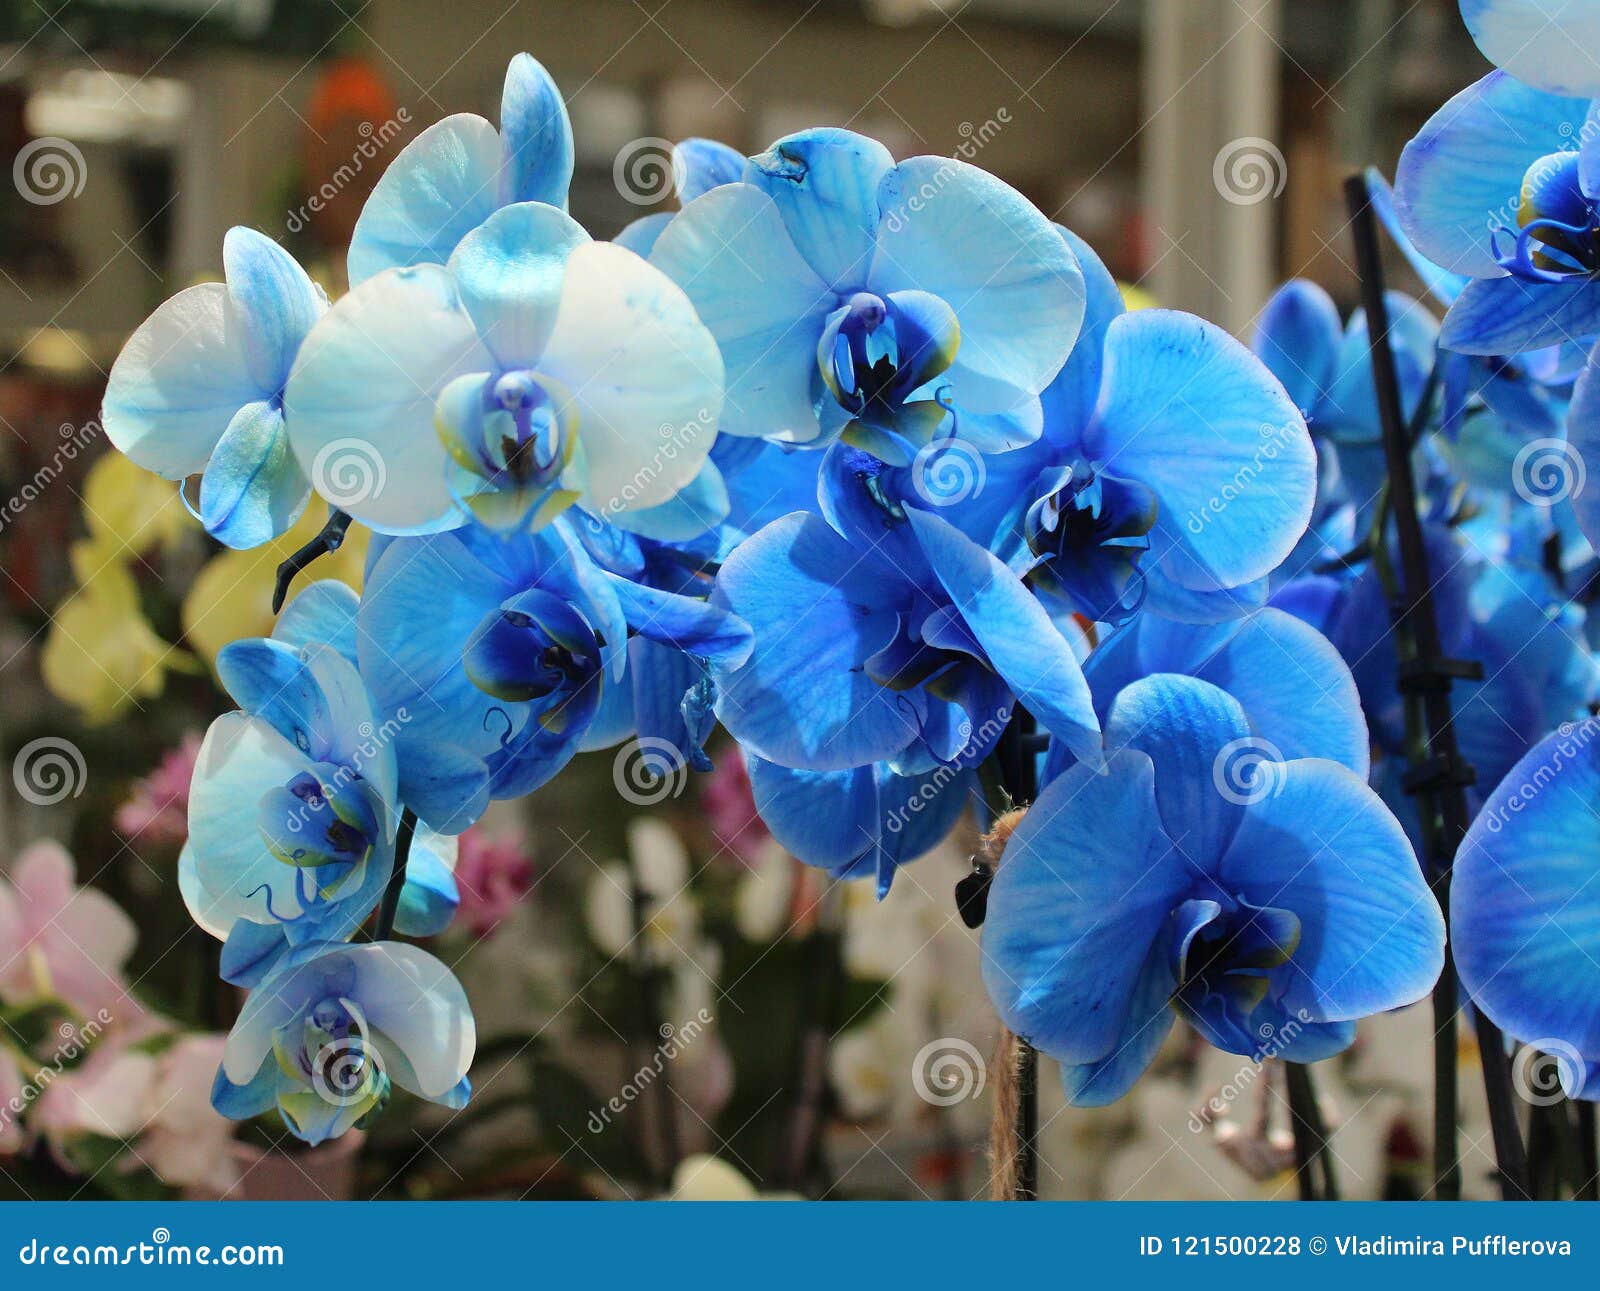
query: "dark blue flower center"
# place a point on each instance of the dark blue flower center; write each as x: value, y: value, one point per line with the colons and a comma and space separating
x: 1223, y: 957
x: 1089, y: 534
x: 533, y: 647
x: 1558, y: 232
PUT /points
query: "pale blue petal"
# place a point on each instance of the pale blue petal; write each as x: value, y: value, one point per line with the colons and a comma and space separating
x: 699, y: 165
x: 958, y: 232
x: 252, y: 490
x: 765, y: 306
x: 1511, y: 316
x: 535, y: 136
x: 322, y: 613
x: 429, y: 898
x: 178, y: 382
x: 1548, y: 44
x: 275, y: 303
x: 640, y: 235
x: 444, y: 183
x: 361, y: 398
x: 509, y: 270
x: 1298, y: 337
x: 825, y: 185
x: 416, y: 1003
x: 701, y: 505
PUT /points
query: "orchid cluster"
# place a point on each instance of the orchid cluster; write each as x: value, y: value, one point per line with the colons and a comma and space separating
x: 867, y: 462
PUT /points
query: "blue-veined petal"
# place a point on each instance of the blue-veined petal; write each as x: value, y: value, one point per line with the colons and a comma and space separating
x: 818, y: 610
x: 1462, y: 173
x: 693, y: 626
x: 824, y: 183
x: 430, y: 896
x: 444, y: 183
x: 253, y: 489
x: 1086, y: 883
x: 274, y: 302
x: 1323, y: 846
x: 1021, y: 643
x: 535, y: 137
x: 361, y: 398
x: 960, y: 233
x: 1070, y: 398
x: 251, y: 951
x: 1146, y: 1021
x: 699, y: 165
x: 1509, y: 315
x: 1298, y: 337
x: 762, y: 302
x: 1190, y: 413
x: 321, y: 613
x: 1207, y: 762
x: 1583, y: 439
x: 699, y: 506
x: 510, y: 270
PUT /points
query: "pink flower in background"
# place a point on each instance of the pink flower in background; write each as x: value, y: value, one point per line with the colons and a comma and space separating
x: 59, y: 940
x: 11, y: 1098
x: 158, y: 811
x: 730, y: 807
x: 494, y: 873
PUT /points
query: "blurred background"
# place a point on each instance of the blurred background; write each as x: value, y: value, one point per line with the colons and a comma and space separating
x: 820, y: 1043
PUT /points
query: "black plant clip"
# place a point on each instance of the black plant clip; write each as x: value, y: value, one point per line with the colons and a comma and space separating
x: 972, y: 893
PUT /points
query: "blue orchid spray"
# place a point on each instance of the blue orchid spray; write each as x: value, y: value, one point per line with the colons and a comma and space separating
x: 867, y: 461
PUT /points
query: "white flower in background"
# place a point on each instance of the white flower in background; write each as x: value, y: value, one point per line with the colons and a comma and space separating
x: 671, y: 916
x: 765, y: 896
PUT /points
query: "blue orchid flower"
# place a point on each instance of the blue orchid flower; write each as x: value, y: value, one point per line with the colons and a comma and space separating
x: 501, y: 648
x: 226, y: 895
x: 1543, y: 45
x: 884, y: 634
x: 1173, y: 470
x: 1273, y: 917
x: 1523, y: 904
x: 1494, y: 189
x: 854, y: 297
x: 199, y: 388
x: 460, y: 171
x: 333, y: 1027
x: 537, y: 368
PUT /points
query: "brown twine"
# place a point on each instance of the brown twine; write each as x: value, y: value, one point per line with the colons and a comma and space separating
x: 1004, y: 1146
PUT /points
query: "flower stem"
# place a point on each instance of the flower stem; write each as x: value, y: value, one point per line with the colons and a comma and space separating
x: 397, y: 877
x: 1016, y: 759
x: 1312, y: 1156
x: 329, y: 539
x: 1438, y: 776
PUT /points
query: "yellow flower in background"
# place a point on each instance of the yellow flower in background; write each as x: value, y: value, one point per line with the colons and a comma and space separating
x: 232, y: 595
x: 101, y: 655
x: 130, y: 511
x: 1136, y: 297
